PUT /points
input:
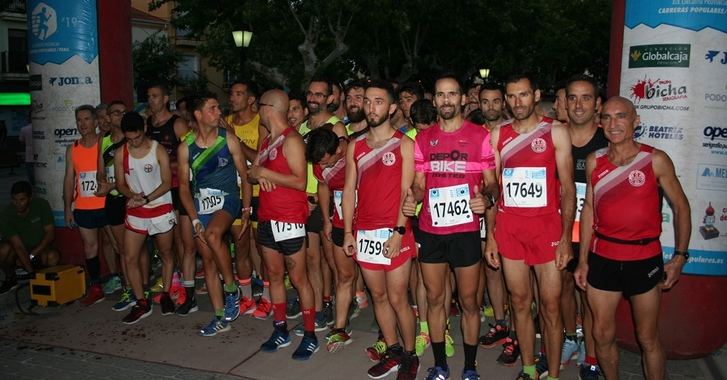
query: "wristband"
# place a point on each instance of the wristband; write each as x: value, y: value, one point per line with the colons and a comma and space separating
x: 246, y: 209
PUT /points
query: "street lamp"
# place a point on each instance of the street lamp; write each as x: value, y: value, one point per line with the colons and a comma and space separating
x: 484, y: 73
x: 242, y: 40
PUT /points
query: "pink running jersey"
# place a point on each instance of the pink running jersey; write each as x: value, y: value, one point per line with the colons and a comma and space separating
x: 452, y: 163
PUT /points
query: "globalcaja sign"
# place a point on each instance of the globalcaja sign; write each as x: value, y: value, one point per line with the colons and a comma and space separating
x: 659, y: 55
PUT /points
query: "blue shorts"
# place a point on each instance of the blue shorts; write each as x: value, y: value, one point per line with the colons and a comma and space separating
x: 90, y: 219
x: 231, y: 206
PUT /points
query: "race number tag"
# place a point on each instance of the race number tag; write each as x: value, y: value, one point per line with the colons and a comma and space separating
x: 210, y: 200
x: 483, y: 228
x: 580, y: 199
x: 337, y: 201
x: 524, y: 187
x: 370, y: 246
x: 450, y: 206
x: 110, y: 174
x: 87, y: 183
x: 283, y: 231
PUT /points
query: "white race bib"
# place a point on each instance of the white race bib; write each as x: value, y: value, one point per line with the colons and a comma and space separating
x: 283, y: 231
x: 580, y: 199
x: 450, y: 206
x: 524, y: 187
x: 370, y: 246
x: 483, y: 228
x: 87, y: 183
x: 210, y: 200
x: 110, y: 174
x: 337, y: 201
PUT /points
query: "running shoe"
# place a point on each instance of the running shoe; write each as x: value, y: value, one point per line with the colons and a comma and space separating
x: 448, y: 344
x: 189, y: 306
x: 510, y: 352
x: 409, y: 367
x: 202, y: 289
x: 569, y: 351
x: 263, y: 309
x: 232, y: 305
x: 589, y: 372
x: 94, y: 296
x: 541, y: 365
x: 308, y: 346
x: 141, y: 310
x: 524, y: 376
x: 247, y: 306
x: 158, y: 286
x: 292, y: 309
x: 216, y: 325
x: 421, y: 343
x: 362, y: 300
x: 376, y: 350
x: 321, y: 321
x: 470, y: 374
x: 286, y: 281
x: 337, y: 339
x: 389, y: 363
x: 495, y: 336
x: 199, y: 274
x: 488, y: 311
x: 437, y: 373
x: 112, y: 285
x: 328, y: 313
x: 276, y: 341
x: 179, y: 295
x: 167, y: 304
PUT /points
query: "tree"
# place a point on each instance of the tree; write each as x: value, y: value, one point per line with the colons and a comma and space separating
x: 155, y: 61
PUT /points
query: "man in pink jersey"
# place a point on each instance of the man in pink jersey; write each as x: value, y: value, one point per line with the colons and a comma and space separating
x: 534, y: 217
x: 379, y: 171
x: 280, y: 169
x: 454, y: 161
x: 620, y: 253
x: 144, y: 177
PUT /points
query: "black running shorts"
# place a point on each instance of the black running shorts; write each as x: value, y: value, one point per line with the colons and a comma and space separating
x: 286, y: 247
x: 459, y: 250
x: 629, y: 277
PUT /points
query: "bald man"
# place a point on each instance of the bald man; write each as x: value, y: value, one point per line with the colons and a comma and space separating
x: 280, y: 169
x: 620, y: 252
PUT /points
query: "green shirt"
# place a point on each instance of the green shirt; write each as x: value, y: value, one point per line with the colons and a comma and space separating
x: 29, y: 227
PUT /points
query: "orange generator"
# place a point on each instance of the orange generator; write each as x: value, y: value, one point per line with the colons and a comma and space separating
x: 58, y: 285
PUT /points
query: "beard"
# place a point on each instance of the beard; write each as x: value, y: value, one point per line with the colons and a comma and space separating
x: 373, y: 122
x: 447, y: 114
x: 356, y: 115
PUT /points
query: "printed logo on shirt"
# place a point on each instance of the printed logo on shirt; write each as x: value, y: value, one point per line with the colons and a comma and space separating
x: 433, y: 142
x: 273, y: 154
x: 388, y: 159
x: 538, y: 145
x: 637, y: 178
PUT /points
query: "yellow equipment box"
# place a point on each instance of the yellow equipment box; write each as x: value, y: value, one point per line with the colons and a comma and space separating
x: 58, y: 285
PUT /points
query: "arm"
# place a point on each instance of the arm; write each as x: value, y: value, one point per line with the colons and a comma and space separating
x: 666, y: 175
x: 69, y: 187
x: 586, y: 227
x: 564, y: 162
x: 236, y: 150
x: 185, y: 193
x: 121, y: 185
x: 491, y: 252
x: 393, y: 245
x: 348, y: 201
x: 166, y: 173
x: 324, y: 201
x: 294, y: 152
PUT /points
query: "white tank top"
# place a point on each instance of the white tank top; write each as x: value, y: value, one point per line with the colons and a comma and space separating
x: 143, y: 175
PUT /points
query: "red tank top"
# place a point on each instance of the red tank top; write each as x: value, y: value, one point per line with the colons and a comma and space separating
x: 452, y: 163
x: 283, y: 204
x: 626, y: 205
x: 529, y: 184
x: 379, y: 183
x: 334, y: 177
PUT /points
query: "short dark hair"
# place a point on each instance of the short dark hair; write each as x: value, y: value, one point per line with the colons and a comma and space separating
x: 423, y: 112
x: 320, y: 141
x: 180, y: 101
x: 448, y: 75
x: 102, y: 107
x: 492, y: 86
x: 199, y: 100
x: 21, y: 187
x: 520, y: 76
x: 300, y: 98
x: 117, y: 101
x: 163, y: 87
x: 413, y: 88
x: 86, y: 107
x: 250, y: 87
x: 324, y: 79
x: 384, y: 85
x: 132, y: 122
x: 560, y: 85
x: 358, y: 83
x: 583, y: 78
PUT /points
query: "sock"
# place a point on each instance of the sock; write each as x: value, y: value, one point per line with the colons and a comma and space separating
x: 230, y: 288
x: 279, y: 311
x: 591, y: 360
x: 501, y: 322
x: 245, y: 287
x: 281, y: 326
x: 266, y: 290
x: 219, y: 313
x: 188, y: 284
x: 440, y: 358
x: 309, y: 319
x: 529, y: 370
x: 310, y: 335
x: 424, y: 327
x: 470, y: 356
x: 552, y: 378
x: 94, y: 269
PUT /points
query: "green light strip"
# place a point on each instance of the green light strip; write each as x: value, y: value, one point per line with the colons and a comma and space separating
x: 14, y: 99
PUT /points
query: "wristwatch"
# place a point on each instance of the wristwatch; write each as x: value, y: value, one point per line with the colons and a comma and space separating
x: 682, y: 253
x: 400, y: 229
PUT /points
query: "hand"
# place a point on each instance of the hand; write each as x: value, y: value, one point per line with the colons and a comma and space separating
x: 137, y: 200
x: 563, y: 254
x: 266, y: 185
x: 256, y: 171
x: 312, y: 206
x: 68, y: 216
x: 349, y: 244
x: 409, y: 207
x: 491, y: 255
x: 392, y: 246
x: 672, y: 271
x: 477, y: 203
x: 198, y: 230
x: 581, y: 275
x: 103, y: 188
x: 327, y: 228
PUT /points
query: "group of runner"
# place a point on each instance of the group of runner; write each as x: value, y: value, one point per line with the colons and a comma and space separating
x: 402, y: 192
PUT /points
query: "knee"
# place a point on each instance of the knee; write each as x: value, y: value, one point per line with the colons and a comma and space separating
x: 379, y: 295
x: 276, y: 273
x: 52, y: 258
x: 6, y: 251
x: 435, y: 299
x: 551, y: 309
x: 648, y: 339
x: 521, y: 301
x: 345, y: 277
x: 603, y: 333
x: 469, y: 304
x: 313, y: 261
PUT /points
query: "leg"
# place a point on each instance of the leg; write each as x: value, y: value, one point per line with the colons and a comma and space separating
x: 243, y: 261
x: 383, y: 311
x: 50, y: 257
x: 568, y: 303
x: 603, y: 306
x: 434, y: 277
x: 89, y: 236
x: 118, y: 234
x: 7, y: 260
x: 275, y: 269
x: 645, y: 309
x: 517, y: 278
x: 549, y: 285
x: 133, y: 244
x: 214, y: 235
x: 164, y: 243
x: 467, y: 288
x: 188, y: 259
x: 397, y: 282
x: 313, y: 264
x: 496, y: 291
x: 110, y: 249
x: 346, y: 269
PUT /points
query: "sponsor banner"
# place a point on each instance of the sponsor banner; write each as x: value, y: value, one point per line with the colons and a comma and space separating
x: 64, y: 74
x: 683, y: 112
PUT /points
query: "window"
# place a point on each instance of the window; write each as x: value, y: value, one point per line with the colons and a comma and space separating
x: 188, y: 66
x: 17, y: 51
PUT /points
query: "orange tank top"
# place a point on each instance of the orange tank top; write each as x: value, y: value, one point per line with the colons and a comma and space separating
x: 84, y: 165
